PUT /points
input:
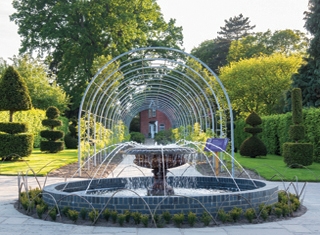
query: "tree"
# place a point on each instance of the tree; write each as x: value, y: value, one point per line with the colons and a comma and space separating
x: 235, y: 28
x: 286, y: 42
x: 43, y: 90
x: 297, y: 154
x: 214, y: 52
x: 77, y: 32
x: 14, y: 93
x: 258, y: 84
x: 308, y: 76
x: 14, y: 96
x: 253, y: 146
x: 53, y: 143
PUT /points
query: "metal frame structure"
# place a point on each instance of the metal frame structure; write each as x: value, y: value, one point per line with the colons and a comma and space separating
x: 176, y: 83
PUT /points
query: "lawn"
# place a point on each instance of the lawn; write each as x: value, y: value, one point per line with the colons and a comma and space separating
x: 272, y: 167
x: 40, y: 163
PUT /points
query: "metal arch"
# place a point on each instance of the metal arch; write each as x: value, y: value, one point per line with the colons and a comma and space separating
x: 179, y: 97
x: 124, y: 75
x: 94, y: 86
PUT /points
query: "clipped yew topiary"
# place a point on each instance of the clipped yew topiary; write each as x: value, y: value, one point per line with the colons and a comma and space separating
x: 253, y: 146
x: 14, y: 96
x: 71, y: 139
x: 297, y: 154
x: 52, y: 144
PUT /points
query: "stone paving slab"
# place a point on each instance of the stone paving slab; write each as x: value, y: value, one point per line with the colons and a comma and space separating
x: 14, y: 223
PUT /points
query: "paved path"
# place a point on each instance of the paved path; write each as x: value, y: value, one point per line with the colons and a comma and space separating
x: 14, y: 223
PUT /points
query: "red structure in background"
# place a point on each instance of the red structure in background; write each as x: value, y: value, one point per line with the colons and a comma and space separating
x: 153, y: 121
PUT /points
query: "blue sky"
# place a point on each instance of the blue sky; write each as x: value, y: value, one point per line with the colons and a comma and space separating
x: 201, y: 20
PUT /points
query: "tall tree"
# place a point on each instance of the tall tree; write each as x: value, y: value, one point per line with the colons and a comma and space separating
x: 214, y: 52
x: 235, y: 28
x: 308, y: 76
x: 74, y: 33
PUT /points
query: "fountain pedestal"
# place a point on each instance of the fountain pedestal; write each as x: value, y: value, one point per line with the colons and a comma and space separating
x: 160, y: 185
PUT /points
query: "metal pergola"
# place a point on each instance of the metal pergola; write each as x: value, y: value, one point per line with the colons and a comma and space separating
x: 172, y: 81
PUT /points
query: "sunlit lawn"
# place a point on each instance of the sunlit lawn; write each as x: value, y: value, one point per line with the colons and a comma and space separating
x: 40, y: 163
x: 272, y: 167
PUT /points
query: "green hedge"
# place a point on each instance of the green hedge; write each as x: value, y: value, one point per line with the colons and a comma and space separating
x: 33, y: 118
x: 13, y: 127
x: 275, y: 131
x: 15, y: 146
x: 297, y: 154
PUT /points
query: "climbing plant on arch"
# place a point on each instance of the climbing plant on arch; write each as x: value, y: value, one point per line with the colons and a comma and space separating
x: 174, y: 82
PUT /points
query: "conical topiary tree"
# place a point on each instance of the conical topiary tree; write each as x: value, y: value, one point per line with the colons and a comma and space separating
x: 253, y: 146
x: 14, y: 96
x: 297, y: 154
x: 53, y: 144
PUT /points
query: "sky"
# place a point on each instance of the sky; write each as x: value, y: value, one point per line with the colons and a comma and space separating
x: 200, y: 20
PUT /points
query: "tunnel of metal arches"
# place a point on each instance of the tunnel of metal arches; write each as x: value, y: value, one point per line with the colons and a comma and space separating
x: 171, y: 81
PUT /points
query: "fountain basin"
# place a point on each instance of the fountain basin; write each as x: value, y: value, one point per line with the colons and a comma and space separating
x: 252, y: 194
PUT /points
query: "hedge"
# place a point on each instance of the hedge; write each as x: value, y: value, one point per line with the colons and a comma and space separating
x: 15, y: 146
x: 275, y: 131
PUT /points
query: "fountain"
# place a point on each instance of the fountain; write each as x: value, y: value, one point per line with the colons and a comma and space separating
x: 233, y: 192
x: 160, y: 159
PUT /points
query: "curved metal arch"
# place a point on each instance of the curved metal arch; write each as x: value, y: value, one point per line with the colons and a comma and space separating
x: 128, y: 63
x: 137, y: 69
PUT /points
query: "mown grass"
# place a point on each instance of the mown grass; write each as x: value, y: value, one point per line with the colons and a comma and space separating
x: 272, y: 167
x: 40, y: 163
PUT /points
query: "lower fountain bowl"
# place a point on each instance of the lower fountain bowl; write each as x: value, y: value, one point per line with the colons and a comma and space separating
x: 252, y: 193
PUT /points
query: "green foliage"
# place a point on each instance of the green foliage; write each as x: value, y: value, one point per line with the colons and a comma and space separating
x: 14, y: 94
x: 250, y: 214
x: 53, y: 214
x: 278, y: 211
x: 89, y: 30
x: 297, y: 154
x: 65, y: 210
x: 93, y: 215
x: 192, y: 218
x: 206, y: 218
x: 235, y: 214
x: 164, y: 137
x: 114, y: 216
x: 307, y: 78
x: 13, y: 128
x: 73, y: 215
x: 52, y: 145
x: 253, y: 146
x: 83, y: 213
x: 258, y: 84
x: 43, y: 89
x: 128, y: 215
x: 286, y: 42
x: 33, y: 119
x: 296, y: 106
x: 121, y: 219
x: 166, y: 215
x: 178, y: 219
x: 136, y: 217
x: 71, y: 138
x: 145, y: 220
x: 40, y: 209
x: 296, y: 132
x: 253, y: 119
x: 106, y: 214
x: 14, y: 146
x: 137, y: 137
